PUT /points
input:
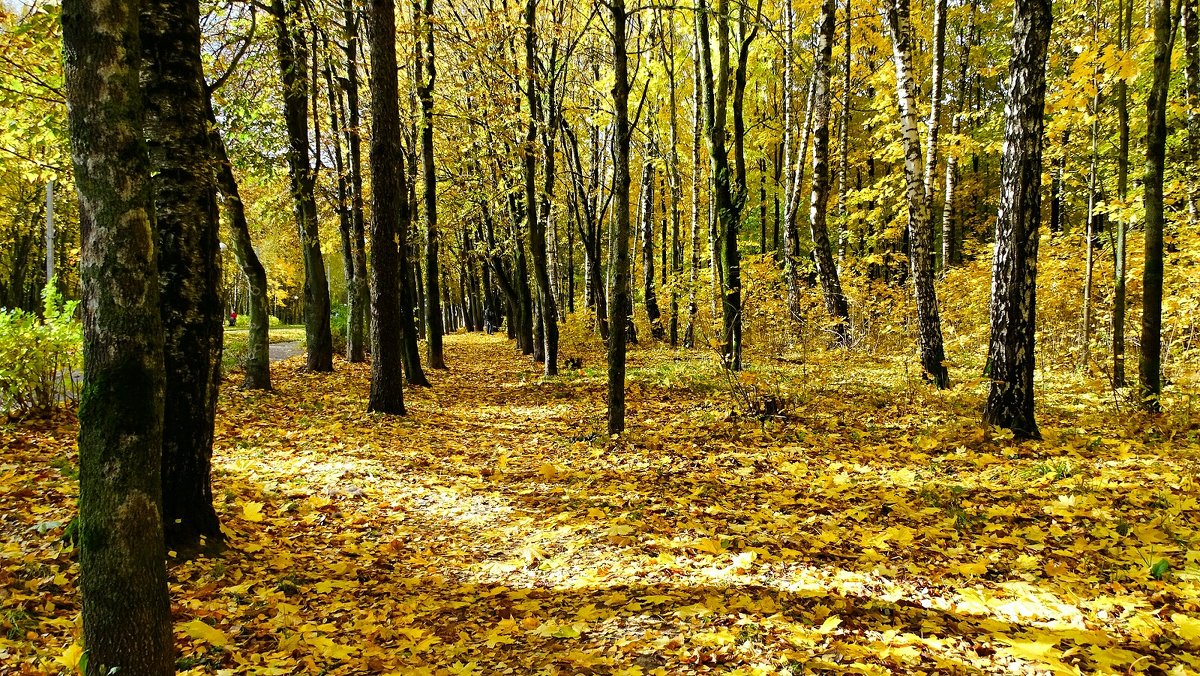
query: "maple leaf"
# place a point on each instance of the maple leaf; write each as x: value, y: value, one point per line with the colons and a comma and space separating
x: 201, y: 631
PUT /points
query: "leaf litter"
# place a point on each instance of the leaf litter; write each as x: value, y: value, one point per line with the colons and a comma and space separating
x: 496, y: 530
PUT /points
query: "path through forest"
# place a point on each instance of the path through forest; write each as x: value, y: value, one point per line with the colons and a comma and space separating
x: 492, y: 530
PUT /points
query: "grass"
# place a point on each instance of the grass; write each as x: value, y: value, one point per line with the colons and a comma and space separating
x: 237, y: 338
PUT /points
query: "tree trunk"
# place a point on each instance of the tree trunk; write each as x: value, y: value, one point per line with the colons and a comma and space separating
x: 548, y: 326
x: 831, y: 286
x: 389, y: 213
x: 1150, y: 363
x: 123, y: 575
x: 426, y: 74
x: 844, y: 144
x: 727, y: 204
x: 619, y: 303
x: 1191, y: 51
x: 359, y: 294
x: 689, y: 331
x: 933, y: 124
x: 1125, y: 30
x: 257, y: 366
x: 187, y: 227
x: 1014, y: 270
x: 920, y: 230
x: 952, y: 222
x: 293, y: 73
x: 674, y: 182
x: 653, y: 315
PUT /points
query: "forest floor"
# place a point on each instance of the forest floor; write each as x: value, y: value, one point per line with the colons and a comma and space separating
x: 497, y: 530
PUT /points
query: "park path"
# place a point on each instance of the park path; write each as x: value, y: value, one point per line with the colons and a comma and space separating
x: 285, y: 350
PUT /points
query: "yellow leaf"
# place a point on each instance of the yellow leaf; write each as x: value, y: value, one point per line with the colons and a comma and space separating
x: 198, y: 630
x: 1188, y: 628
x: 829, y: 624
x: 252, y: 511
x: 70, y: 657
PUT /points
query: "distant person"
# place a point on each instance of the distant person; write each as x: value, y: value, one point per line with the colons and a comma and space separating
x: 233, y: 318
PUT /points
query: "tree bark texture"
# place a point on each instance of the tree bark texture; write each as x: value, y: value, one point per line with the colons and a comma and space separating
x: 123, y: 575
x: 1014, y: 268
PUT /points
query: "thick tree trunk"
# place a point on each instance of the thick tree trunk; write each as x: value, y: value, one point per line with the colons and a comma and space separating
x: 920, y: 230
x: 426, y: 74
x: 389, y: 213
x: 293, y: 73
x: 620, y: 303
x: 183, y: 174
x: 831, y: 286
x: 257, y: 365
x: 1150, y: 363
x: 123, y: 574
x: 1014, y: 270
x: 359, y: 294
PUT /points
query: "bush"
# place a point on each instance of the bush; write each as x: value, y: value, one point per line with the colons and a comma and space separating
x: 40, y: 359
x: 339, y: 321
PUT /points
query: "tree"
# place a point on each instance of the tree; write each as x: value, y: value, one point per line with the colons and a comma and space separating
x: 1150, y: 363
x: 183, y: 172
x: 831, y: 286
x: 426, y: 74
x: 1014, y: 269
x: 358, y: 292
x: 389, y: 213
x: 293, y: 73
x: 619, y: 302
x: 123, y: 575
x: 1191, y: 52
x: 536, y: 222
x: 256, y: 368
x: 727, y: 205
x: 920, y: 228
x: 646, y: 235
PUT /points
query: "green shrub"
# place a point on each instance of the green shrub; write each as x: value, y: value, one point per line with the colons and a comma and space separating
x: 339, y: 320
x: 40, y: 359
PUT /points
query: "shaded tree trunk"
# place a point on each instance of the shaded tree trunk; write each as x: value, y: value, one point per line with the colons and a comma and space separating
x: 257, y: 365
x: 1191, y: 55
x: 1150, y: 363
x: 1125, y: 30
x: 359, y: 294
x: 620, y: 302
x: 183, y: 177
x: 293, y: 73
x: 123, y: 575
x: 1014, y: 270
x: 389, y: 214
x: 426, y: 75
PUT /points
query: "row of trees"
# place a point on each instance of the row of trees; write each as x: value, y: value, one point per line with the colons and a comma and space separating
x: 151, y: 165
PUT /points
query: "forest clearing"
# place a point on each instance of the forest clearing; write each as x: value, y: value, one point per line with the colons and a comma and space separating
x: 874, y: 529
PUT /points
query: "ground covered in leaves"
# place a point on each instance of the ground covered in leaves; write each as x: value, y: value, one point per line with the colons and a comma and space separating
x: 496, y: 530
